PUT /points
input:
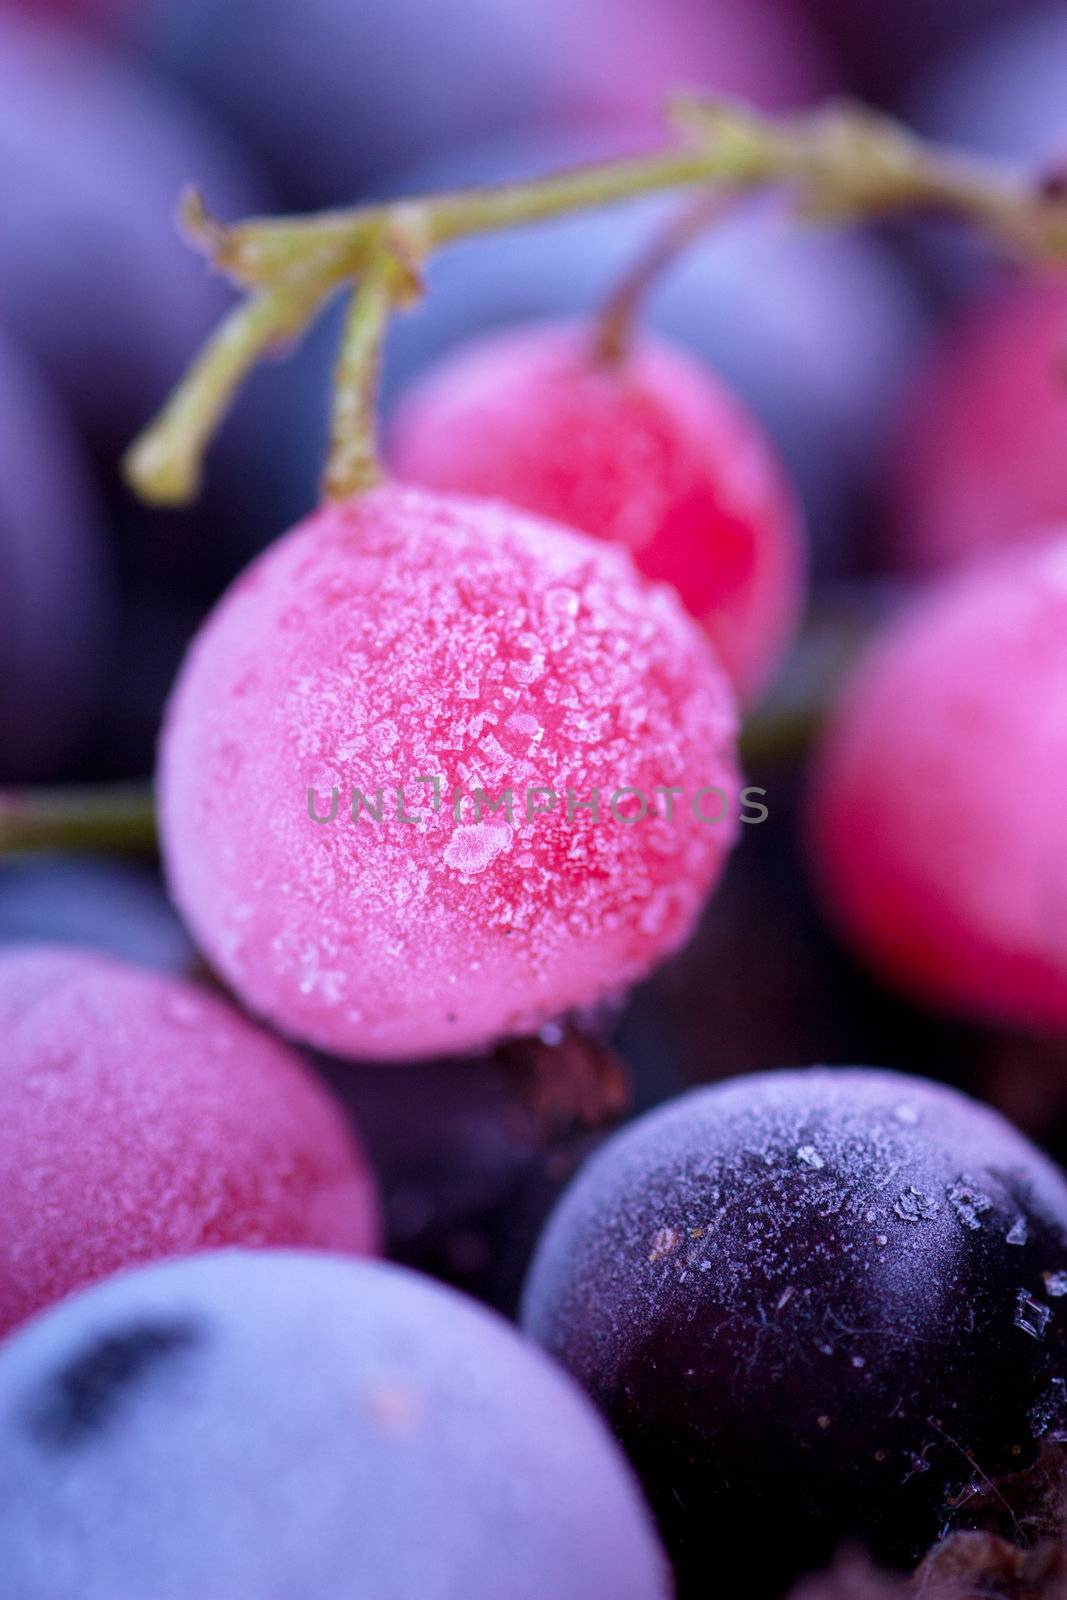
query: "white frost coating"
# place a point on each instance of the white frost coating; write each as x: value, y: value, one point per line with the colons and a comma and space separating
x: 723, y: 1184
x: 307, y: 1427
x: 472, y: 847
x: 403, y: 637
x: 141, y: 1117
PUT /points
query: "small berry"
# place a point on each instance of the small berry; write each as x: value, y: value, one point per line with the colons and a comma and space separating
x: 812, y: 328
x: 936, y: 810
x: 978, y: 461
x: 814, y: 1302
x: 242, y: 1425
x: 653, y: 454
x: 466, y: 1184
x: 142, y: 1117
x: 416, y: 659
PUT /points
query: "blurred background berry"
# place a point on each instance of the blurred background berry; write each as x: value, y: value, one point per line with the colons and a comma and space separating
x: 911, y: 383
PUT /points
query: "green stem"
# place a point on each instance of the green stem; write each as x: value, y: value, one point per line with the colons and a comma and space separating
x: 105, y: 817
x: 263, y: 250
x: 164, y: 462
x: 839, y: 162
x: 474, y: 211
x: 352, y: 463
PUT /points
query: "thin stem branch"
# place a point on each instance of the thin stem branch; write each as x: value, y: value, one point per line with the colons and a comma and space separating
x: 621, y: 311
x: 262, y: 250
x: 164, y: 463
x: 352, y: 463
x: 106, y: 817
x: 839, y: 162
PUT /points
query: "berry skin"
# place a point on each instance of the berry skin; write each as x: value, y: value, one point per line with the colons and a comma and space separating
x: 978, y: 460
x: 936, y: 806
x: 142, y: 1117
x: 654, y: 455
x: 820, y: 1302
x: 402, y: 636
x: 241, y: 1425
x: 467, y: 1184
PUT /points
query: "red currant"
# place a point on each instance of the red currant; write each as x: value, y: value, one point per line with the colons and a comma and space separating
x: 654, y: 454
x: 436, y: 771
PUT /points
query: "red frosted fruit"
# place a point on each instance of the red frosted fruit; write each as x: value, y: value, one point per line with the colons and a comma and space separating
x: 654, y: 454
x: 936, y: 812
x: 142, y: 1117
x: 401, y: 637
x: 979, y: 460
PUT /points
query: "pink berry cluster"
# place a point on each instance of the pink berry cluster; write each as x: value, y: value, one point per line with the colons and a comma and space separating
x: 521, y: 675
x: 534, y: 728
x: 454, y: 795
x: 936, y: 811
x: 535, y: 699
x: 935, y: 803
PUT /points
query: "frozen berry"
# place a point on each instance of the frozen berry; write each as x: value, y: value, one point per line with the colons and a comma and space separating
x: 467, y: 1184
x: 142, y: 1117
x: 815, y: 1306
x: 978, y: 461
x: 652, y: 453
x: 242, y: 1425
x: 936, y: 811
x: 812, y: 328
x: 381, y: 763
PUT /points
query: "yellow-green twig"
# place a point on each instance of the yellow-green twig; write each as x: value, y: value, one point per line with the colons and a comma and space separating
x: 842, y: 161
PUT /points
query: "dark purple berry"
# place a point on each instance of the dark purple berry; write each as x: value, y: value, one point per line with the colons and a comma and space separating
x: 815, y: 1306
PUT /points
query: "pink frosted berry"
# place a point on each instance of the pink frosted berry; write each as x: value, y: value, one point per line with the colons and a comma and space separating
x: 937, y: 811
x: 142, y: 1117
x: 404, y: 637
x: 979, y: 460
x: 654, y: 454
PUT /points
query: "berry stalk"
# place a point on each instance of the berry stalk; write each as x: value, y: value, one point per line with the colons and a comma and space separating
x: 621, y: 312
x: 106, y: 817
x: 352, y: 463
x: 839, y: 162
x: 164, y: 463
